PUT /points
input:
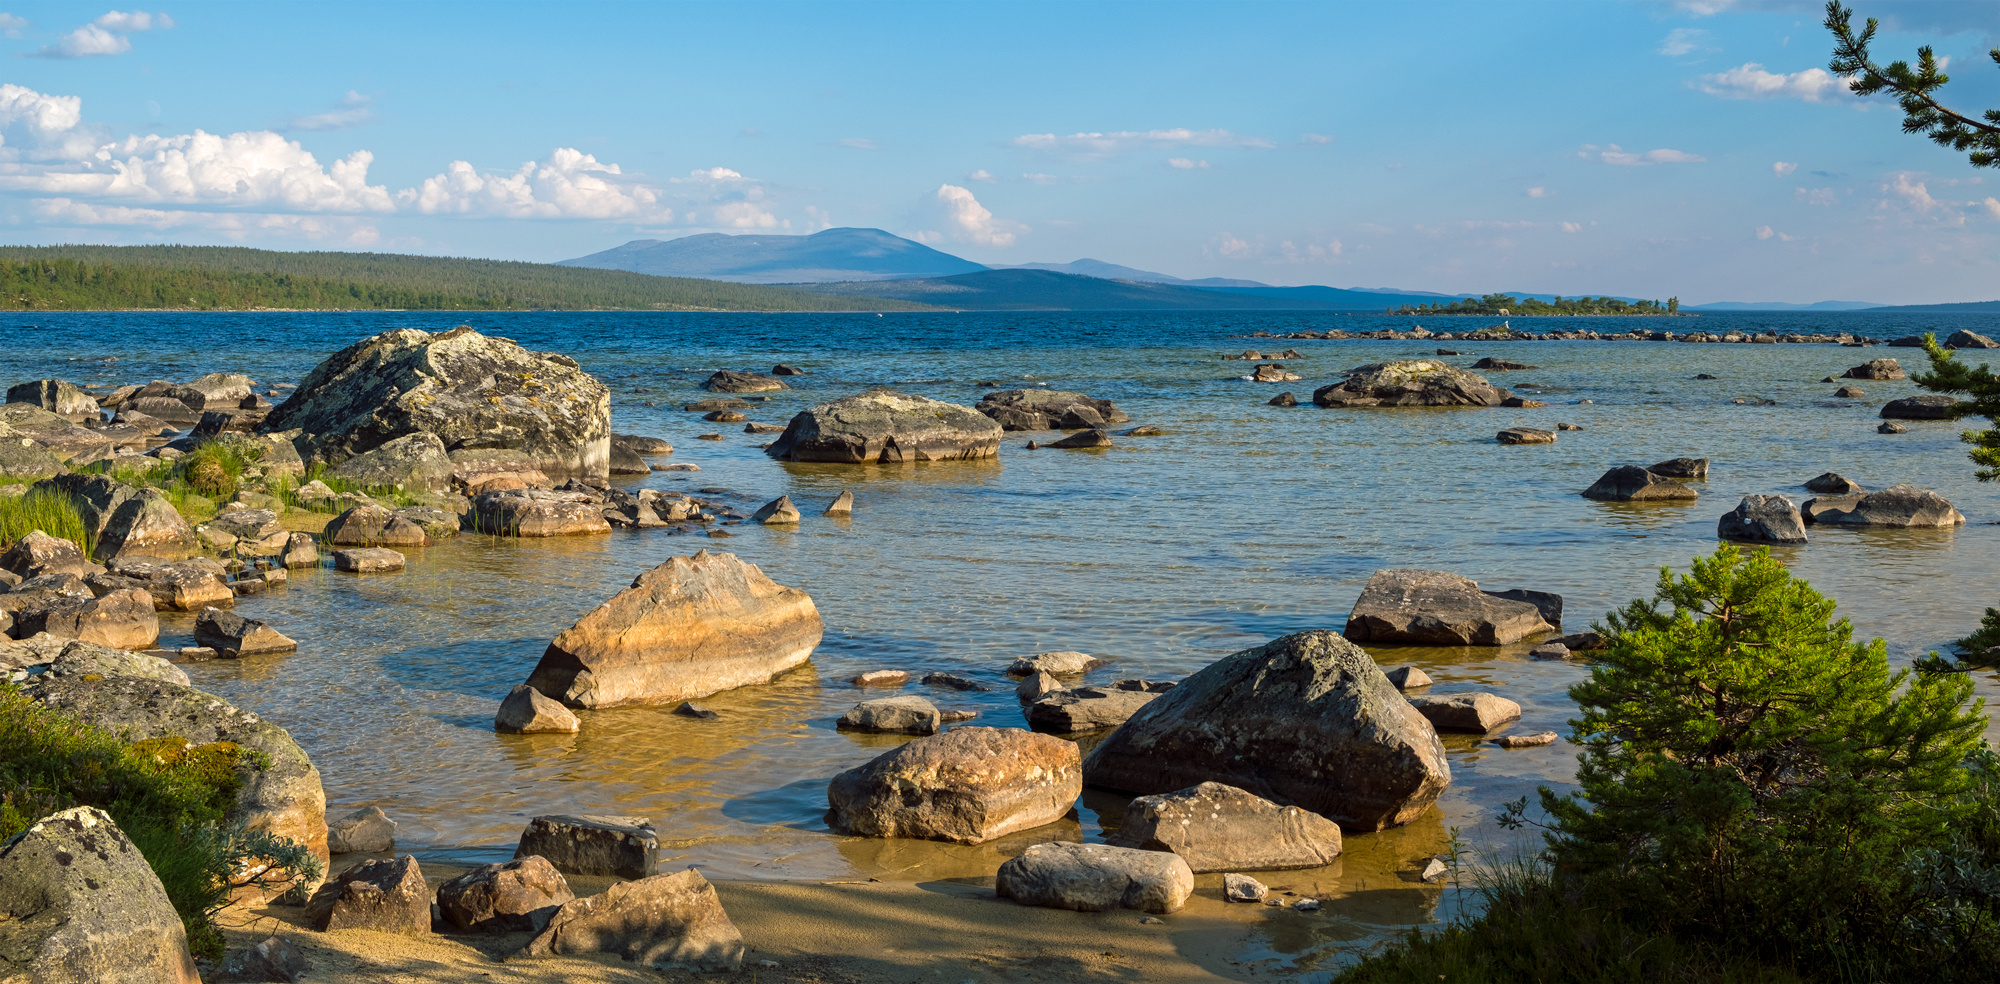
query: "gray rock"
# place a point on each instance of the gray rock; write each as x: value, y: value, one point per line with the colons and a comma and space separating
x: 273, y: 959
x: 1850, y: 393
x: 885, y: 426
x: 81, y: 906
x: 1041, y: 409
x: 1063, y: 663
x: 1214, y: 827
x: 1526, y: 435
x: 843, y: 505
x: 777, y: 512
x: 527, y: 712
x: 1305, y: 720
x: 954, y: 681
x: 47, y: 587
x: 85, y: 658
x: 1096, y: 878
x: 1068, y: 712
x: 1695, y: 468
x: 1243, y: 888
x: 368, y: 560
x: 520, y: 895
x: 1876, y: 369
x: 1833, y: 483
x: 1960, y: 339
x: 1036, y: 686
x: 785, y: 369
x: 1283, y: 400
x: 38, y: 553
x: 664, y: 921
x: 23, y: 458
x: 1466, y: 712
x: 1439, y: 608
x: 1583, y: 641
x: 1548, y: 603
x: 384, y: 896
x: 537, y: 513
x: 367, y: 831
x: 1526, y: 741
x: 1930, y: 406
x: 731, y: 381
x: 625, y: 461
x: 1897, y: 505
x: 1411, y: 383
x: 1891, y: 427
x: 1095, y: 438
x: 248, y: 524
x: 907, y: 714
x: 968, y: 786
x: 1762, y: 519
x: 881, y: 678
x: 627, y: 847
x: 641, y: 444
x: 413, y: 462
x: 127, y: 521
x: 1434, y: 870
x: 1408, y: 678
x: 54, y: 395
x: 232, y: 636
x: 1631, y: 483
x: 374, y: 526
x: 122, y: 619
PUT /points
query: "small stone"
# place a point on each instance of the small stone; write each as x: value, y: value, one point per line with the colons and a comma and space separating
x: 908, y: 714
x: 953, y: 715
x: 708, y: 437
x: 367, y: 831
x: 1527, y: 741
x: 1890, y: 427
x: 1284, y: 400
x: 1306, y: 905
x: 1036, y: 687
x: 1526, y: 435
x: 1478, y: 712
x: 881, y: 678
x: 1144, y: 430
x: 1242, y: 888
x: 1569, y: 427
x: 843, y: 505
x: 234, y: 636
x: 527, y: 712
x: 954, y: 681
x: 778, y: 511
x: 1550, y: 651
x: 368, y: 560
x: 1849, y: 393
x: 682, y: 467
x: 1408, y: 678
x: 1434, y: 870
x: 1151, y: 921
x: 1093, y: 438
x: 694, y: 710
x: 1061, y: 663
x: 724, y: 417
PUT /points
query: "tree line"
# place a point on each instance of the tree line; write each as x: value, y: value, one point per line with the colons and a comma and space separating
x: 1506, y: 305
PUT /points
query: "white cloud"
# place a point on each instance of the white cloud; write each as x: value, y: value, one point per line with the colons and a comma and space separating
x: 1186, y: 164
x: 40, y: 126
x: 1682, y: 40
x: 982, y: 175
x: 966, y: 221
x: 1315, y: 138
x: 745, y: 215
x: 1751, y: 81
x: 102, y: 37
x: 1783, y: 168
x: 355, y: 109
x: 569, y: 184
x: 1101, y: 145
x: 710, y: 175
x: 1229, y: 245
x: 1039, y: 178
x: 234, y: 225
x: 1614, y: 154
x: 252, y: 168
x: 858, y: 143
x: 1703, y: 8
x: 1993, y: 207
x: 11, y: 25
x: 1538, y: 192
x: 1913, y: 193
x: 1815, y: 196
x: 133, y: 22
x: 1572, y: 227
x: 1766, y: 232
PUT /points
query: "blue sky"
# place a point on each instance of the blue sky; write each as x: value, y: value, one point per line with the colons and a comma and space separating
x: 1692, y: 148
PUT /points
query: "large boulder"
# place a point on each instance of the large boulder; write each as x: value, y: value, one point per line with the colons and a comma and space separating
x: 690, y: 627
x: 127, y: 521
x: 54, y: 395
x: 56, y: 433
x: 885, y: 426
x: 1096, y: 878
x: 413, y: 461
x: 1305, y: 720
x: 1897, y: 505
x: 214, y: 391
x: 1435, y: 608
x: 281, y: 790
x: 365, y: 831
x: 1876, y: 369
x: 665, y: 921
x: 1833, y: 483
x: 472, y: 391
x: 1961, y: 339
x: 1930, y: 406
x: 37, y: 553
x: 122, y: 619
x: 520, y: 895
x: 385, y: 896
x: 25, y: 459
x: 1631, y: 483
x: 1214, y: 827
x: 625, y: 847
x: 731, y: 381
x: 1695, y: 468
x: 1762, y: 519
x: 536, y: 512
x: 1039, y: 409
x: 78, y: 658
x: 1074, y: 711
x: 1411, y: 383
x: 968, y: 786
x: 80, y: 905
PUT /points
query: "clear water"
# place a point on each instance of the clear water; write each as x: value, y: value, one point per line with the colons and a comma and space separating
x: 1241, y: 523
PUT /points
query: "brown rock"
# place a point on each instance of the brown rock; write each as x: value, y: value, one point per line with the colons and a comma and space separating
x: 968, y: 786
x: 385, y: 896
x: 1526, y: 741
x: 907, y: 714
x: 232, y: 636
x: 1214, y: 827
x: 520, y: 895
x: 626, y: 847
x: 366, y: 831
x: 1466, y: 712
x: 663, y: 921
x: 778, y: 511
x: 527, y: 712
x: 1631, y: 483
x: 121, y: 620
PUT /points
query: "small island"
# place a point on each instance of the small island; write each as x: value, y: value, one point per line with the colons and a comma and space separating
x: 1507, y: 305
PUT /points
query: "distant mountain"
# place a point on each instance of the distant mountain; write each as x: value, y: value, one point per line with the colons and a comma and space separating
x: 1112, y: 271
x: 1048, y: 290
x: 1334, y: 298
x: 1781, y: 306
x: 1968, y: 307
x: 832, y: 255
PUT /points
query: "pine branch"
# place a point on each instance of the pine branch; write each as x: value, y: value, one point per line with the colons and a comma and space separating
x: 1913, y: 89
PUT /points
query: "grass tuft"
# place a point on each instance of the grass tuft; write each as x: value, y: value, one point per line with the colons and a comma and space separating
x: 46, y: 510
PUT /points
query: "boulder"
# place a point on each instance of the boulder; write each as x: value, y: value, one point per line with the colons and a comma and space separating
x: 536, y: 512
x: 54, y: 432
x: 78, y: 658
x: 691, y: 627
x: 518, y: 896
x: 1551, y: 651
x: 300, y: 551
x: 1305, y: 720
x: 1068, y: 712
x: 1526, y: 435
x: 1695, y: 468
x: 1891, y: 427
x: 1501, y: 365
x: 785, y: 369
x: 38, y: 553
x: 1850, y: 393
x: 625, y: 461
x: 1040, y: 409
x: 885, y: 426
x: 1411, y: 383
x: 1408, y: 678
x: 881, y: 678
x: 731, y: 381
x: 842, y: 505
x: 54, y: 395
x: 477, y: 470
x: 716, y: 403
x: 385, y: 896
x: 46, y: 588
x: 664, y: 921
x: 527, y: 712
x: 438, y: 524
x: 968, y: 786
x: 281, y: 790
x: 1833, y: 483
x: 214, y: 391
x: 1436, y: 608
x: 368, y: 560
x: 1631, y: 483
x: 24, y: 459
x: 625, y: 847
x: 121, y: 619
x: 1876, y: 369
x: 724, y: 417
x: 1960, y: 339
x: 1094, y: 438
x: 80, y: 905
x: 471, y: 391
x: 1762, y: 519
x: 907, y: 714
x: 249, y: 524
x: 1897, y: 505
x: 232, y: 636
x: 273, y: 959
x: 127, y: 521
x: 163, y: 408
x: 214, y: 423
x: 1036, y: 686
x: 1931, y: 406
x: 413, y: 462
x: 374, y: 526
x: 1466, y: 712
x: 1283, y: 400
x: 778, y: 511
x: 1272, y: 372
x: 1096, y: 878
x: 1061, y: 664
x: 1080, y: 418
x: 1214, y: 827
x: 366, y: 831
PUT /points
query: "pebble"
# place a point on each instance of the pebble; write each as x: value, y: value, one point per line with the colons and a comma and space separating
x: 1306, y: 905
x: 708, y: 437
x: 1435, y: 870
x: 1890, y: 427
x: 1152, y: 921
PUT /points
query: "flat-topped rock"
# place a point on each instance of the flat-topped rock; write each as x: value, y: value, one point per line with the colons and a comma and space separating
x: 1876, y: 369
x: 384, y: 896
x: 1930, y: 406
x: 691, y: 627
x: 1214, y: 827
x: 627, y: 847
x: 233, y: 636
x: 1096, y: 878
x: 536, y: 513
x: 1762, y: 519
x: 1631, y: 483
x: 121, y: 619
x: 81, y: 906
x: 1061, y: 663
x: 888, y: 427
x: 1408, y: 678
x: 1526, y: 435
x: 731, y: 381
x: 906, y: 714
x: 1466, y: 712
x: 968, y: 786
x: 664, y: 921
x: 1961, y: 339
x: 1692, y: 468
x: 1073, y: 711
x: 1041, y: 409
x: 1896, y: 506
x: 368, y: 560
x: 1833, y: 483
x: 1411, y: 383
x: 1440, y: 609
x: 413, y: 462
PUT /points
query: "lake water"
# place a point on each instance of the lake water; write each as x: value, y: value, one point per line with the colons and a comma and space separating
x: 1241, y: 523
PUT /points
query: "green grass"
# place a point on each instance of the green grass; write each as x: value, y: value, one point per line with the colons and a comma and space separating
x: 48, y: 511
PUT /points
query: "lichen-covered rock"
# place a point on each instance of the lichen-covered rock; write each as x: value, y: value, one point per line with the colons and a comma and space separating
x: 1305, y: 720
x: 89, y: 658
x: 1096, y: 878
x: 664, y: 921
x: 472, y: 391
x: 181, y: 586
x: 536, y: 512
x: 1411, y: 383
x: 1631, y: 483
x: 122, y: 619
x: 37, y: 553
x: 691, y: 627
x: 908, y: 714
x: 1876, y: 369
x: 627, y: 847
x: 300, y: 552
x: 885, y: 426
x: 413, y: 462
x: 1061, y: 663
x: 59, y: 434
x: 54, y: 395
x: 1214, y: 827
x: 385, y: 896
x: 25, y: 459
x: 1040, y: 409
x: 374, y: 526
x: 80, y: 905
x: 1762, y: 519
x: 520, y: 895
x: 281, y: 790
x: 1437, y: 608
x: 968, y: 786
x: 527, y: 712
x: 1897, y: 505
x: 127, y: 521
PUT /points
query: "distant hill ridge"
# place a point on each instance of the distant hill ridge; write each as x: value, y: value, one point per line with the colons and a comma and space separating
x: 832, y: 255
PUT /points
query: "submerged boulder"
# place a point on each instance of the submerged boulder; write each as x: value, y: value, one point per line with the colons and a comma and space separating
x: 1411, y: 383
x: 968, y: 786
x: 1631, y: 483
x: 1930, y: 406
x: 731, y: 381
x: 663, y: 921
x: 691, y: 627
x: 1762, y: 519
x: 80, y: 905
x: 1305, y: 720
x: 471, y: 391
x: 885, y: 426
x: 1436, y: 608
x: 1096, y: 878
x: 1040, y: 409
x: 1876, y: 369
x: 1214, y: 827
x: 1897, y: 505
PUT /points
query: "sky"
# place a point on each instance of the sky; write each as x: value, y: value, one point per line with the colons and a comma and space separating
x: 1690, y: 148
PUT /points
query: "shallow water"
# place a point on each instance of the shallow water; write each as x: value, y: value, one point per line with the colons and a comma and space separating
x: 1243, y: 522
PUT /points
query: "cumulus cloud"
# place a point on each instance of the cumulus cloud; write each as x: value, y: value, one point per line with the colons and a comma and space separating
x: 1682, y: 40
x: 102, y: 37
x: 1766, y: 232
x: 355, y: 109
x: 1095, y: 145
x: 981, y: 175
x: 133, y: 22
x: 1751, y: 81
x: 1614, y: 154
x: 11, y: 25
x: 1538, y: 192
x: 234, y: 225
x: 252, y: 168
x: 744, y: 215
x: 964, y: 220
x: 1992, y: 206
x: 711, y: 175
x: 1186, y: 164
x: 38, y: 126
x: 1229, y: 244
x: 1783, y: 168
x: 569, y: 184
x: 1572, y: 227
